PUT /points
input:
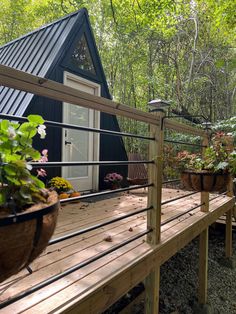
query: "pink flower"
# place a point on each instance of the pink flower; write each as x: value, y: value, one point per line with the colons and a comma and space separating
x: 41, y: 173
x: 44, y: 157
x: 113, y: 177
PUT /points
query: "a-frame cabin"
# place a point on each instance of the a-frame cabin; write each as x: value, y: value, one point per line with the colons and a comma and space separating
x: 65, y: 51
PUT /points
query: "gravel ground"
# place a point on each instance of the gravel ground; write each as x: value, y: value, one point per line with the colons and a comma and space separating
x: 179, y: 281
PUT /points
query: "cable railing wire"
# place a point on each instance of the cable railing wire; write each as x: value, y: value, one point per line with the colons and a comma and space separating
x: 178, y: 198
x: 180, y: 214
x: 82, y: 231
x: 171, y: 181
x: 97, y: 226
x: 72, y: 269
x: 184, y: 143
x: 79, y: 128
x: 93, y: 259
x: 88, y: 163
x: 104, y: 193
x: 189, y: 210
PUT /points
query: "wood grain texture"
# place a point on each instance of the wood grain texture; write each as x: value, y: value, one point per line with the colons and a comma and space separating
x: 95, y: 287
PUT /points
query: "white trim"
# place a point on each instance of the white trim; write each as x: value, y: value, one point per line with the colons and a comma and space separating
x: 96, y: 124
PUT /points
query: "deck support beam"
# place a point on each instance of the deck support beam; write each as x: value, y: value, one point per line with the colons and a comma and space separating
x: 203, y: 254
x: 152, y: 282
x: 203, y: 267
x: 228, y: 234
x: 152, y: 288
x: 228, y: 227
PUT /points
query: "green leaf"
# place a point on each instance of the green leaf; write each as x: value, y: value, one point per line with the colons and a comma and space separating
x: 222, y: 165
x: 25, y: 193
x: 4, y: 125
x: 10, y: 170
x: 28, y: 129
x: 35, y: 119
x: 13, y: 181
x: 38, y: 182
x: 2, y: 197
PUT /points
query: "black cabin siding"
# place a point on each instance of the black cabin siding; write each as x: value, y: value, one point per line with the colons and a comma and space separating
x: 46, y: 52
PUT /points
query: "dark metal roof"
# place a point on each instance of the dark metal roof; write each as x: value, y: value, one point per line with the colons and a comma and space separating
x: 33, y: 53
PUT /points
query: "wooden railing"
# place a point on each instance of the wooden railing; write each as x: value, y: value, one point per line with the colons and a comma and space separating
x: 158, y: 123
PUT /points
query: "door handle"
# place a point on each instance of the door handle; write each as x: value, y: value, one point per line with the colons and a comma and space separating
x: 67, y: 143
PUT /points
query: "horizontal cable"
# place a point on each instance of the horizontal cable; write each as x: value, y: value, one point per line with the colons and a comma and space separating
x: 189, y: 210
x: 184, y: 143
x: 79, y: 232
x: 88, y: 163
x: 180, y: 214
x: 92, y: 195
x: 221, y: 194
x: 94, y: 227
x: 178, y: 198
x: 79, y: 128
x: 170, y: 181
x: 72, y: 269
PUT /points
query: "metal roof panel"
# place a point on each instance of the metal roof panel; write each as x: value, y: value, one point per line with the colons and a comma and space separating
x: 34, y: 53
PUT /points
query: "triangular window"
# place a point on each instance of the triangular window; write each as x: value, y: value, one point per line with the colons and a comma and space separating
x: 81, y: 56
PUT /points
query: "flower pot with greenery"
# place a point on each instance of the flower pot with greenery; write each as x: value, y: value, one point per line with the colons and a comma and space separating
x: 114, y: 180
x: 28, y: 211
x: 211, y: 171
x: 63, y: 187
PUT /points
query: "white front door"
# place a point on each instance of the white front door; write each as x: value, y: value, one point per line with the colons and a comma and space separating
x: 81, y: 145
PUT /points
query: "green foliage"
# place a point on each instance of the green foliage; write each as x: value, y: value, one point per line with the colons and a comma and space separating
x: 169, y: 162
x: 232, y: 164
x: 216, y: 157
x: 227, y: 126
x: 19, y: 188
x: 175, y: 50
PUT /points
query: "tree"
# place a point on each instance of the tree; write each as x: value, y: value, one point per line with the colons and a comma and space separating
x: 180, y: 51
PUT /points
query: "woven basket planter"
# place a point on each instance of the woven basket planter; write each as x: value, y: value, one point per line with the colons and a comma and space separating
x: 205, y: 181
x: 24, y: 236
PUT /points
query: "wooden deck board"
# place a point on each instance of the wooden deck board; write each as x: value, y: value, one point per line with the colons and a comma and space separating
x: 129, y: 264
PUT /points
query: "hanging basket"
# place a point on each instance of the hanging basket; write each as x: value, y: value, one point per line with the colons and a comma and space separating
x: 205, y: 181
x: 24, y: 236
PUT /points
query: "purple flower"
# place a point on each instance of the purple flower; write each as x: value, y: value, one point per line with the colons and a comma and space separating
x: 113, y: 177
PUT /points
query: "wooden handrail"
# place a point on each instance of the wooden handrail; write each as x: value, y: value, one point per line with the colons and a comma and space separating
x: 30, y: 83
x: 44, y: 87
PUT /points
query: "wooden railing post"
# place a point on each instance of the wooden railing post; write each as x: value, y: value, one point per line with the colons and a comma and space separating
x: 155, y: 170
x: 203, y: 249
x: 229, y: 213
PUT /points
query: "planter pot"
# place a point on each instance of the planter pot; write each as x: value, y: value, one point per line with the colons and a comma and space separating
x: 205, y: 181
x: 115, y: 186
x: 63, y: 196
x: 24, y: 236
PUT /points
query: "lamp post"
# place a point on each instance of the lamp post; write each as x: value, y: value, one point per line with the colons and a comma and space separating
x: 207, y: 125
x: 158, y: 105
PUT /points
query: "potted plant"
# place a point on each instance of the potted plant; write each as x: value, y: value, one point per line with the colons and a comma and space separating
x: 211, y: 171
x: 63, y: 187
x: 113, y: 179
x: 28, y: 211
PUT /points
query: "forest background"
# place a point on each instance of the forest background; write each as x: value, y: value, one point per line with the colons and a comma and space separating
x: 182, y: 51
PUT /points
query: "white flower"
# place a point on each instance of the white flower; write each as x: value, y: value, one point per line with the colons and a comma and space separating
x: 41, y: 131
x: 11, y: 132
x: 29, y: 167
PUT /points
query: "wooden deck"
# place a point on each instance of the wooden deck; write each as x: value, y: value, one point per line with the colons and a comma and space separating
x: 94, y: 287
